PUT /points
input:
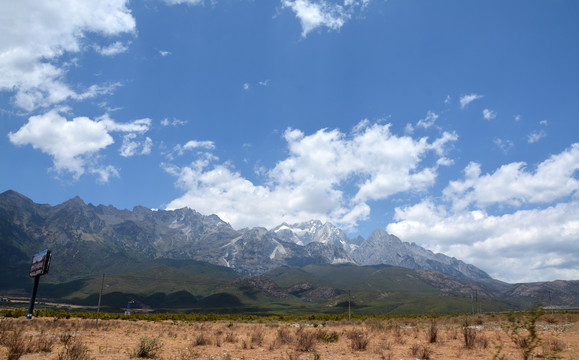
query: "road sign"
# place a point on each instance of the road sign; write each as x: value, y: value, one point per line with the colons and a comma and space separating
x: 40, y: 263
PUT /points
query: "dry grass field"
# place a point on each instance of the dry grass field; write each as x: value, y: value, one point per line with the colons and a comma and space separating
x: 480, y: 337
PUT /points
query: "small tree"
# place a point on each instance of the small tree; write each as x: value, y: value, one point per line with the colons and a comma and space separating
x: 522, y: 330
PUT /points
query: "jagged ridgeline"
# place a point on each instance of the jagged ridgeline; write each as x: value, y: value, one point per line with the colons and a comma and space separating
x: 186, y: 260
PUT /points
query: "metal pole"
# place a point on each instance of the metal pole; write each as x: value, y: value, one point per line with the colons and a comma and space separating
x: 100, y: 296
x: 33, y: 298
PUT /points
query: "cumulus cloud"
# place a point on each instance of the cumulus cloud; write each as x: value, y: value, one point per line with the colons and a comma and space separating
x: 319, y: 13
x: 521, y: 245
x: 310, y: 182
x: 512, y: 184
x: 73, y: 144
x: 467, y: 99
x: 37, y: 34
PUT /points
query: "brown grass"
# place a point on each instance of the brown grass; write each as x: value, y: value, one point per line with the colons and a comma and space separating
x: 45, y: 338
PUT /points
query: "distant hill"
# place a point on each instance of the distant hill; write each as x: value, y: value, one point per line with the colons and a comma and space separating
x: 185, y: 260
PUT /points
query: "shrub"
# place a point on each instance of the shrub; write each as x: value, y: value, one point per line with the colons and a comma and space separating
x: 73, y: 349
x: 359, y: 340
x: 284, y: 336
x: 433, y: 332
x: 201, y: 340
x: 16, y: 344
x: 328, y: 337
x: 469, y: 334
x: 420, y: 352
x: 306, y: 341
x: 148, y: 348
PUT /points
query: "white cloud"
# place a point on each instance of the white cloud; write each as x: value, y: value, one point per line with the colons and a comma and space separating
x: 467, y: 99
x: 523, y: 245
x: 428, y: 121
x: 73, y: 144
x: 504, y: 144
x: 36, y: 34
x: 536, y: 136
x: 164, y: 53
x: 320, y: 13
x: 264, y: 82
x: 112, y: 49
x: 310, y: 182
x: 131, y: 146
x: 194, y: 144
x: 448, y: 99
x: 489, y: 114
x: 174, y: 122
x: 188, y: 2
x: 512, y: 184
x: 246, y: 86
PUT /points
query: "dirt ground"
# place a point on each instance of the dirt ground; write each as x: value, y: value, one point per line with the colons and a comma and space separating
x: 485, y: 337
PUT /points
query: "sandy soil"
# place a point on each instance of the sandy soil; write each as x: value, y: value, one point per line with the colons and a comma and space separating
x: 370, y: 339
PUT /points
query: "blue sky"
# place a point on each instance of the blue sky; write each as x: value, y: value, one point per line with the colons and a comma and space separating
x: 450, y: 124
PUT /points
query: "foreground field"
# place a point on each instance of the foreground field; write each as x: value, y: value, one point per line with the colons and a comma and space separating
x: 480, y: 337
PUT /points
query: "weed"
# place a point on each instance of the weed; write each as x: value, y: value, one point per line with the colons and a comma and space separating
x: 148, y: 348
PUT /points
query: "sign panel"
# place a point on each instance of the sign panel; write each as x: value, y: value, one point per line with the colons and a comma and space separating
x: 40, y: 263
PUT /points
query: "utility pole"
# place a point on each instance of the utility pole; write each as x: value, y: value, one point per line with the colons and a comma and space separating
x: 349, y: 298
x: 100, y: 296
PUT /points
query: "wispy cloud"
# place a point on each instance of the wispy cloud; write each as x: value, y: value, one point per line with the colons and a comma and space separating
x: 320, y: 13
x: 536, y: 136
x: 467, y: 99
x: 112, y: 49
x: 489, y: 114
x: 428, y: 121
x: 503, y: 144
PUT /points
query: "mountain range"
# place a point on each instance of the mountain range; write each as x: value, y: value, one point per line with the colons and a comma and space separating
x: 86, y: 240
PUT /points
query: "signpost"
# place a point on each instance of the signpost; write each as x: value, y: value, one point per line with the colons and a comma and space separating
x: 39, y: 267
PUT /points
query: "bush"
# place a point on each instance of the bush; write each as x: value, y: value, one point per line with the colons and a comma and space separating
x: 148, y: 348
x: 328, y: 337
x: 433, y: 332
x: 73, y: 349
x: 359, y: 340
x: 306, y: 341
x: 469, y: 334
